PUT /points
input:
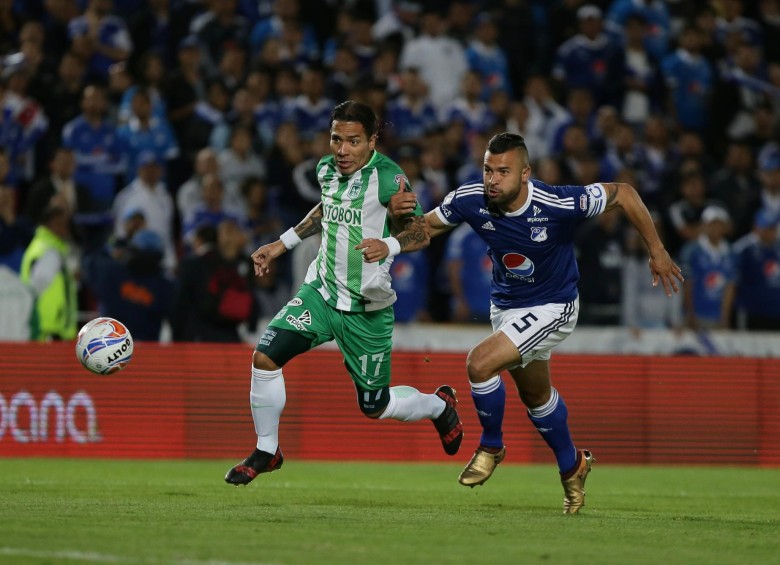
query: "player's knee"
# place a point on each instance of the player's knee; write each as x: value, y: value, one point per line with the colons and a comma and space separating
x: 373, y: 403
x: 261, y: 361
x: 534, y: 399
x: 478, y: 367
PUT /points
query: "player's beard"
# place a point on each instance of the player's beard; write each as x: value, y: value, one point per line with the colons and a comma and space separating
x: 494, y: 205
x: 491, y: 206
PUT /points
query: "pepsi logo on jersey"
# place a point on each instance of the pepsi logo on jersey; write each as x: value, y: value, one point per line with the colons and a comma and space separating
x: 518, y: 265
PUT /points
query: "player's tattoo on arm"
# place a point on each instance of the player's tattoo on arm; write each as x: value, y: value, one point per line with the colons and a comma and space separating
x: 311, y: 224
x: 612, y: 192
x: 415, y: 235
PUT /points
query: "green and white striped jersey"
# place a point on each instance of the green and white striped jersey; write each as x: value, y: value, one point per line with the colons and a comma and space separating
x: 354, y: 208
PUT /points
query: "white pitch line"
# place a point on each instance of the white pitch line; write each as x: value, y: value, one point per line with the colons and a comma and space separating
x: 94, y: 557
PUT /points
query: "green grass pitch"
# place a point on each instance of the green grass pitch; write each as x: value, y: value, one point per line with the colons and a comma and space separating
x: 181, y: 512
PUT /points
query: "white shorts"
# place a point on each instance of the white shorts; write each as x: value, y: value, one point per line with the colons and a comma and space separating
x: 537, y: 330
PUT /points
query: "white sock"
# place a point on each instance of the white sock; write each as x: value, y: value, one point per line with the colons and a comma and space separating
x: 266, y: 399
x: 408, y: 404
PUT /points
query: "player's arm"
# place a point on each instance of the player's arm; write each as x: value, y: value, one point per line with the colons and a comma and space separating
x: 310, y: 225
x: 409, y: 232
x: 413, y: 238
x: 400, y: 209
x: 624, y: 196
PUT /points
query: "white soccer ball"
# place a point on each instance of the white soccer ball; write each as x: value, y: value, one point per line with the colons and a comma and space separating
x: 104, y: 346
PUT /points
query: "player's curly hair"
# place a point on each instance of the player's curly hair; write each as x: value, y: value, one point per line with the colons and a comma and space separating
x: 352, y: 111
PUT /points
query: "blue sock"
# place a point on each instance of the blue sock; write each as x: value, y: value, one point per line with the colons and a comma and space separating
x: 489, y: 399
x: 550, y: 420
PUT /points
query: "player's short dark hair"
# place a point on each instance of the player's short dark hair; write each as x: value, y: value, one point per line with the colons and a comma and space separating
x: 505, y: 141
x: 352, y: 111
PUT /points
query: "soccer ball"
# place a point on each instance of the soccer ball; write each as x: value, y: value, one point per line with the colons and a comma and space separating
x: 104, y: 346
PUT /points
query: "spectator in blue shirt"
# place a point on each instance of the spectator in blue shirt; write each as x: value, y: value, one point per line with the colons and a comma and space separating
x: 731, y: 21
x: 411, y: 115
x: 93, y: 139
x: 144, y: 133
x: 310, y: 110
x: 689, y: 78
x: 469, y: 272
x: 642, y: 80
x: 100, y: 38
x: 267, y: 113
x: 22, y: 121
x: 217, y: 29
x: 654, y: 13
x: 210, y: 211
x: 152, y: 71
x: 469, y: 109
x: 758, y: 274
x: 410, y: 282
x: 709, y: 270
x: 590, y: 59
x: 285, y: 12
x: 486, y: 56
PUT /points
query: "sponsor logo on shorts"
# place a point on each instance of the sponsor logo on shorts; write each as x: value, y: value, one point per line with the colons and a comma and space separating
x: 295, y: 302
x: 294, y: 322
x: 305, y: 318
x: 267, y: 337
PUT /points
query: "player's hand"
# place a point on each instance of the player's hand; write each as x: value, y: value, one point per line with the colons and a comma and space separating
x: 402, y: 202
x: 666, y: 271
x: 373, y: 249
x: 264, y: 255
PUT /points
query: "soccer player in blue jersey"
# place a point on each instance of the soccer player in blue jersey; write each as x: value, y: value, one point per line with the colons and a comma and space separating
x: 529, y: 229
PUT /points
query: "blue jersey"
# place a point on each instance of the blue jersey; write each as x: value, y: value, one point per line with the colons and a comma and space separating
x: 709, y: 270
x: 758, y: 271
x: 532, y: 249
x: 96, y: 150
x: 690, y: 81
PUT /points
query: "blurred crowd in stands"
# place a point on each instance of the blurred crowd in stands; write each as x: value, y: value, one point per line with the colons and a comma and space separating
x: 148, y: 146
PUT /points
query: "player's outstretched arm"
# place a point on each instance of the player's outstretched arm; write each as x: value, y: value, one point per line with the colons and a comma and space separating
x: 307, y: 227
x: 663, y: 269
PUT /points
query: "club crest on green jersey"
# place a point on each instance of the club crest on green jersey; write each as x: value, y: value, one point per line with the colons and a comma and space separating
x: 354, y: 190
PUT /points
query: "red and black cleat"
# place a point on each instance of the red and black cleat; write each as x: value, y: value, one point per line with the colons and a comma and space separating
x: 249, y: 468
x: 448, y: 424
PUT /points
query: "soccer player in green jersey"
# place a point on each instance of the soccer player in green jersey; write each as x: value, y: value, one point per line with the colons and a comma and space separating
x: 346, y: 292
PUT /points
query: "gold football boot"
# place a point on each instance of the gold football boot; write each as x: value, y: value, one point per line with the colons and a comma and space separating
x: 480, y: 467
x: 574, y: 486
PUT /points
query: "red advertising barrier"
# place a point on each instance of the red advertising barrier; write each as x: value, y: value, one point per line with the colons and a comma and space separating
x: 192, y: 401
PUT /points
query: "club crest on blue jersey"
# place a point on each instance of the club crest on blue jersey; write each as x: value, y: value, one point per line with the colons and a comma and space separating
x: 518, y: 264
x: 539, y: 234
